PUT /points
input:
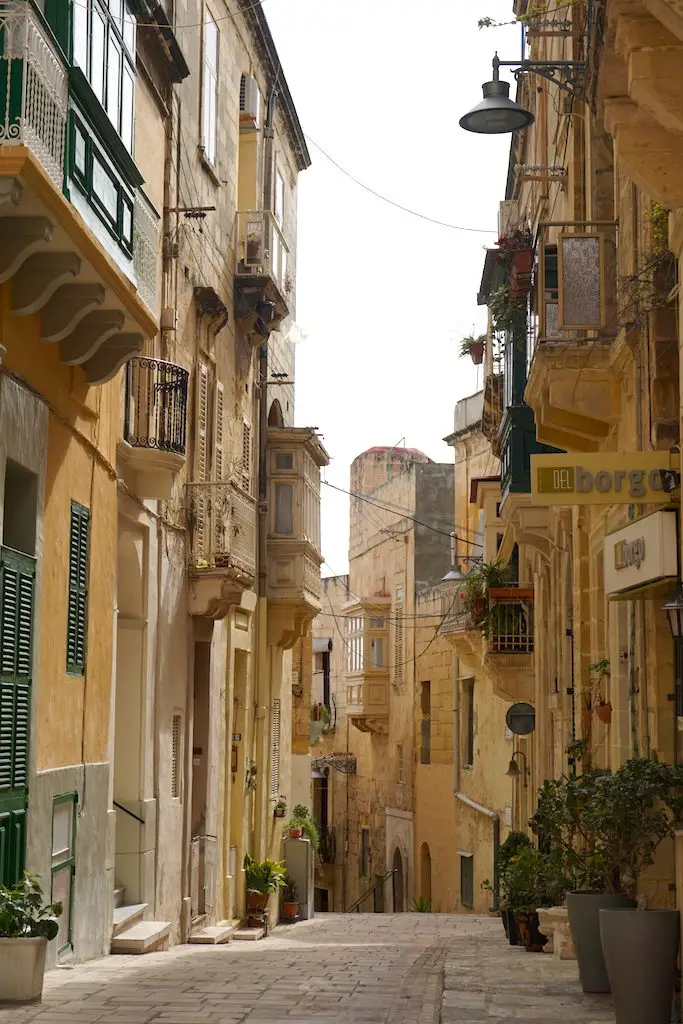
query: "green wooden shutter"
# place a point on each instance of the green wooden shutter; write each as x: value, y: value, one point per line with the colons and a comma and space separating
x: 77, y: 624
x: 17, y: 592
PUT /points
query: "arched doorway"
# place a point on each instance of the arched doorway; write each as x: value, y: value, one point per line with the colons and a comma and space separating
x: 397, y: 865
x: 275, y: 417
x: 425, y: 873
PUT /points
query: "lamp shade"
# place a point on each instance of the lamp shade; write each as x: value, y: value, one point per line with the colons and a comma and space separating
x: 674, y: 613
x: 513, y: 770
x: 497, y: 113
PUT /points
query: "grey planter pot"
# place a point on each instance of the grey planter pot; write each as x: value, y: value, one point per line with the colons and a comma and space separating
x: 640, y: 948
x: 583, y: 909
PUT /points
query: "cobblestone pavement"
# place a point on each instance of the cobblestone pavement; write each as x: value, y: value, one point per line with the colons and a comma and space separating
x: 337, y: 969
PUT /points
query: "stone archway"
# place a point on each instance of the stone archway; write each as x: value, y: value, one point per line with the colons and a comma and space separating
x: 425, y: 873
x: 398, y: 882
x: 275, y: 417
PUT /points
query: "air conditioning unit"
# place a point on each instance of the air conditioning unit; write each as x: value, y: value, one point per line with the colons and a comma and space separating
x: 250, y: 103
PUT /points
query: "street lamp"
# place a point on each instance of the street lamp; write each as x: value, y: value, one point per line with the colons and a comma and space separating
x: 514, y: 770
x: 497, y: 113
x: 674, y: 613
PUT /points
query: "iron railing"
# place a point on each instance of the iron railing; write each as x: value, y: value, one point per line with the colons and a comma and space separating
x: 146, y: 251
x: 155, y: 405
x: 372, y: 891
x: 221, y: 520
x: 510, y: 625
x: 34, y: 88
x: 262, y: 249
x: 456, y: 612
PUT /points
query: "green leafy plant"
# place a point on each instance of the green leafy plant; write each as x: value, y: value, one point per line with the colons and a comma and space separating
x: 302, y: 819
x: 607, y: 826
x: 469, y: 342
x: 290, y: 892
x: 598, y: 674
x: 508, y: 315
x: 533, y: 879
x: 264, y: 876
x: 421, y: 906
x: 23, y: 913
x: 482, y: 577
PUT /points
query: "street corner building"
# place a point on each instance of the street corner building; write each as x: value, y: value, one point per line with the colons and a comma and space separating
x: 160, y: 518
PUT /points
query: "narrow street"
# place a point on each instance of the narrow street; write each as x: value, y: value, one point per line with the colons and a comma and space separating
x: 353, y: 969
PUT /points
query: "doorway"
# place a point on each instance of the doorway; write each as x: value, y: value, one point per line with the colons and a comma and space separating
x: 200, y: 761
x: 397, y: 865
x: 425, y: 874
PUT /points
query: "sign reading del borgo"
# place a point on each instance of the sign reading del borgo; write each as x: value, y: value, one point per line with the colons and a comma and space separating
x: 602, y: 478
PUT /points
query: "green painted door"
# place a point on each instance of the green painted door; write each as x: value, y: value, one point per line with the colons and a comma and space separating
x: 17, y: 590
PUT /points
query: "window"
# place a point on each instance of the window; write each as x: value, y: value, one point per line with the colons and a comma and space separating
x: 284, y: 509
x: 468, y: 721
x: 103, y: 46
x: 77, y: 616
x: 467, y: 880
x: 279, y: 204
x: 246, y: 457
x: 275, y: 749
x: 377, y: 652
x: 63, y: 862
x: 176, y: 755
x: 210, y: 88
x: 398, y: 643
x: 284, y: 460
x: 19, y: 508
x: 95, y: 177
x: 364, y: 852
x: 426, y: 724
x: 354, y: 627
x: 400, y: 765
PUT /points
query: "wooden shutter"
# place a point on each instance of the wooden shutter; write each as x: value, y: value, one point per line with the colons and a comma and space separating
x: 176, y: 747
x: 77, y: 618
x: 246, y: 457
x: 275, y: 749
x: 398, y: 644
x: 218, y: 431
x: 202, y: 416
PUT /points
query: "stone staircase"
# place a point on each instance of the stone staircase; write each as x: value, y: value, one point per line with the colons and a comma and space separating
x: 131, y: 933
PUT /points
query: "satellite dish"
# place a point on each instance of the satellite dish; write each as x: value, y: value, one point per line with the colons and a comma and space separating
x: 521, y: 719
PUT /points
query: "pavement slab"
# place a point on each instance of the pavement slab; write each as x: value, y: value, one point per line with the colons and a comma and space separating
x: 335, y: 969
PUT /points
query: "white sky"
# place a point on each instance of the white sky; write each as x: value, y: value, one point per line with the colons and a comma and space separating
x: 382, y: 296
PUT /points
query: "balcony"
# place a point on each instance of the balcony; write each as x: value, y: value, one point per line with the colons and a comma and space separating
x: 367, y: 702
x: 294, y: 459
x: 462, y: 621
x: 509, y: 643
x: 366, y: 636
x: 572, y: 388
x: 88, y: 307
x: 263, y: 277
x: 154, y: 425
x: 221, y: 521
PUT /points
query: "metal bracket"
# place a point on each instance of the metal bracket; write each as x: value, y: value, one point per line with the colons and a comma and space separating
x: 568, y: 75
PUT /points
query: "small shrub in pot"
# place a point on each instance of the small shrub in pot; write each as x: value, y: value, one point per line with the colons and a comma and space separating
x: 27, y: 924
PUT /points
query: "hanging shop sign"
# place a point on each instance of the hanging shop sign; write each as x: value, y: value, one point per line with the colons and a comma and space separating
x: 641, y: 556
x: 604, y: 478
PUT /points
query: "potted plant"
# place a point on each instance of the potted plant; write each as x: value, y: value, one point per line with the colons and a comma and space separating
x: 478, y: 582
x: 473, y: 346
x: 598, y: 675
x: 26, y: 927
x: 263, y: 878
x: 521, y: 889
x: 508, y: 313
x: 301, y: 825
x: 515, y: 842
x: 290, y: 899
x: 280, y: 809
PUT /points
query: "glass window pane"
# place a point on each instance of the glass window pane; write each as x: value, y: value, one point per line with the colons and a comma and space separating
x: 79, y: 151
x: 209, y: 119
x: 279, y: 198
x: 80, y: 16
x: 129, y: 31
x: 114, y: 81
x: 116, y: 11
x: 284, y: 509
x: 62, y: 831
x: 104, y: 188
x: 127, y: 112
x: 97, y: 65
x: 284, y: 461
x: 61, y: 893
x: 377, y: 652
x: 211, y: 42
x: 127, y: 225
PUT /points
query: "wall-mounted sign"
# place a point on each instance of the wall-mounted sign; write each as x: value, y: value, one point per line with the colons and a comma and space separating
x: 641, y: 556
x: 601, y: 478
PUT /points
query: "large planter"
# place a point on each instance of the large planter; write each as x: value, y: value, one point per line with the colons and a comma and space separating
x: 257, y: 900
x: 640, y: 949
x: 290, y: 910
x: 530, y: 935
x: 477, y: 352
x: 510, y: 926
x: 22, y: 968
x: 584, y: 908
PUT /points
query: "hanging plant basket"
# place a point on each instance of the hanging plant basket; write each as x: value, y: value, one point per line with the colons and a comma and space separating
x: 477, y: 352
x: 604, y: 712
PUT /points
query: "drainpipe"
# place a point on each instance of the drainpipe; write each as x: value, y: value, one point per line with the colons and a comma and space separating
x: 493, y: 815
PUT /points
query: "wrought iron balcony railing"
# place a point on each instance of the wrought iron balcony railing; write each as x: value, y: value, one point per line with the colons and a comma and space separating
x: 34, y: 88
x: 262, y: 249
x: 221, y: 520
x: 155, y: 411
x: 510, y: 620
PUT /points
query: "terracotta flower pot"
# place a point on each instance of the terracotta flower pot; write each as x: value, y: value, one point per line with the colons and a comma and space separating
x: 296, y: 833
x: 477, y: 352
x: 604, y: 712
x: 290, y: 910
x: 257, y: 900
x: 530, y: 935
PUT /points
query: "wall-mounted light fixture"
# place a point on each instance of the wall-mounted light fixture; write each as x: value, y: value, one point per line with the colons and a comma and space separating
x: 514, y: 770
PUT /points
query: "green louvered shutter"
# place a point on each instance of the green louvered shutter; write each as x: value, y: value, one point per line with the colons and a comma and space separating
x: 17, y: 592
x: 77, y: 625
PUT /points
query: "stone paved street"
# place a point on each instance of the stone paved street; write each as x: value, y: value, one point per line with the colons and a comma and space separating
x: 337, y: 969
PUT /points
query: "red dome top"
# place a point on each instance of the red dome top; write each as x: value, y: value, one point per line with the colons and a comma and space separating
x: 386, y: 449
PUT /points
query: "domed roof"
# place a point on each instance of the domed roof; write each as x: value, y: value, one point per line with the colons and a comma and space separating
x: 389, y: 449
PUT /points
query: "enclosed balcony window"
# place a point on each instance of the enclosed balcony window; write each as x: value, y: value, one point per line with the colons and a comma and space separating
x: 284, y: 509
x: 377, y: 651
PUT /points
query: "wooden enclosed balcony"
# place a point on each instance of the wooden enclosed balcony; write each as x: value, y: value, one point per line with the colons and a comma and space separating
x: 154, y: 425
x: 366, y: 635
x: 221, y: 521
x: 264, y: 283
x: 94, y: 314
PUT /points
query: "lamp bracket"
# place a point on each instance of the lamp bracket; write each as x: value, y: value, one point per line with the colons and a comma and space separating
x: 568, y: 75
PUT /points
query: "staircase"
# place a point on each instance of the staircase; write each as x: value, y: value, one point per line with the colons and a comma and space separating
x: 130, y: 933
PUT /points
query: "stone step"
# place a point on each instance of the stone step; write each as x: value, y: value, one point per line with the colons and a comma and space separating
x: 125, y: 916
x: 119, y: 895
x: 249, y: 934
x: 212, y: 934
x: 142, y: 937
